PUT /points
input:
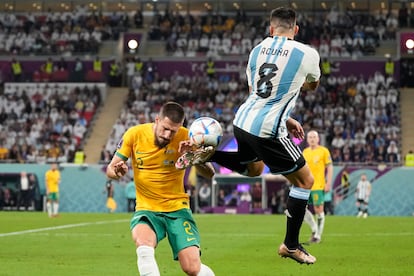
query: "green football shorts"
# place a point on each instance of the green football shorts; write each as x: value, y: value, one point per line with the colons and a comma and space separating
x: 179, y: 226
x: 53, y: 196
x: 317, y: 197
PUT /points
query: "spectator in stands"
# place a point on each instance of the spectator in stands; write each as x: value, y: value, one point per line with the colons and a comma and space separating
x: 389, y: 66
x: 246, y: 196
x: 345, y: 182
x: 48, y: 67
x: 53, y: 152
x: 105, y: 156
x: 210, y: 68
x: 79, y: 156
x: 409, y: 159
x: 110, y: 202
x: 221, y: 199
x: 4, y: 151
x: 204, y: 195
x: 78, y: 71
x: 129, y: 70
x: 115, y: 74
x: 150, y: 71
x: 257, y: 195
x: 25, y: 191
x: 14, y: 154
x: 138, y: 18
x: 17, y: 70
x: 392, y: 155
x: 274, y: 202
x: 97, y: 65
x: 232, y: 200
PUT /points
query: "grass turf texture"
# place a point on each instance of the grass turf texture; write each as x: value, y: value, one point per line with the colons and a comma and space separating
x: 100, y: 244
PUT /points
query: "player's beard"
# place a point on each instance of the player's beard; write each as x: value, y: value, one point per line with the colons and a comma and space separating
x: 160, y: 142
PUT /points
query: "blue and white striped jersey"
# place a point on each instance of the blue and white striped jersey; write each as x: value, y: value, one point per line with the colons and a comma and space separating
x: 276, y: 70
x: 363, y: 190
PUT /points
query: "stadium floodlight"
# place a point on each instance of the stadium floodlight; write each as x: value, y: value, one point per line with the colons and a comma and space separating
x: 409, y: 43
x: 132, y: 44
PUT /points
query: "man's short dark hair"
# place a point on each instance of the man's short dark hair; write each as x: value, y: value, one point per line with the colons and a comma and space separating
x: 173, y: 111
x: 283, y: 17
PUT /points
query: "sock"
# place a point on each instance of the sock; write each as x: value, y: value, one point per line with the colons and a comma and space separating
x: 147, y: 265
x: 296, y: 207
x: 55, y: 208
x: 321, y: 224
x: 205, y: 271
x: 229, y: 160
x: 49, y: 208
x: 310, y: 220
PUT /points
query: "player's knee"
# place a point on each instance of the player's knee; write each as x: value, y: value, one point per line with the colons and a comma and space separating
x: 191, y: 268
x: 308, y: 181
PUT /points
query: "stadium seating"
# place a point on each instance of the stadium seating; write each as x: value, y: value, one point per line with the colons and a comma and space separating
x: 46, y: 122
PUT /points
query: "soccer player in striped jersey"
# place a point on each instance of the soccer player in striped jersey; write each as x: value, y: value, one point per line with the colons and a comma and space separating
x: 363, y: 191
x: 162, y: 205
x: 278, y: 68
x: 319, y: 160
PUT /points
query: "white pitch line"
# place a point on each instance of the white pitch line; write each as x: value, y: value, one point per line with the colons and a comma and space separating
x: 60, y: 227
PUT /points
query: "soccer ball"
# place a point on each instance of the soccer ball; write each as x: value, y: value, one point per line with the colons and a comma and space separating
x: 205, y: 131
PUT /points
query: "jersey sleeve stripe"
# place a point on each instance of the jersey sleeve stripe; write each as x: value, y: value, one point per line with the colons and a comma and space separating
x: 123, y: 157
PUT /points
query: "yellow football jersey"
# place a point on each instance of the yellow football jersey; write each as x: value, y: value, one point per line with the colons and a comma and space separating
x: 52, y: 180
x: 159, y: 186
x: 317, y: 160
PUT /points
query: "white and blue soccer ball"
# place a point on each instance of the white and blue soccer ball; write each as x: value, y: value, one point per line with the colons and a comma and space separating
x: 205, y: 131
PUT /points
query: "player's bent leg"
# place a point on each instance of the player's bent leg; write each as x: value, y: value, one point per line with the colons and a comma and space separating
x: 297, y: 202
x: 189, y: 259
x: 302, y: 178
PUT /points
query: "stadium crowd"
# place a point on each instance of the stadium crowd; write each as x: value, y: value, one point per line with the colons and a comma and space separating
x: 44, y: 33
x: 334, y: 33
x: 45, y: 123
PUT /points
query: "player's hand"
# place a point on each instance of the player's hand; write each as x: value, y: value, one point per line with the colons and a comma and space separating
x: 185, y: 146
x: 120, y: 169
x: 295, y: 128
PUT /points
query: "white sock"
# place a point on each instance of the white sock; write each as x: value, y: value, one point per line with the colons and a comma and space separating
x: 310, y: 220
x: 49, y: 208
x: 321, y: 223
x: 205, y: 271
x: 55, y: 208
x: 147, y: 265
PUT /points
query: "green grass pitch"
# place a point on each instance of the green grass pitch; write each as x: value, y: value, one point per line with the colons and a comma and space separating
x: 232, y: 245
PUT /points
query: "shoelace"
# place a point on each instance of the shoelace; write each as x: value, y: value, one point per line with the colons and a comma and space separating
x: 300, y: 247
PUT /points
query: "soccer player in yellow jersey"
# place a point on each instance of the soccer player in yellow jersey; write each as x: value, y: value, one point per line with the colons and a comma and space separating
x: 52, y: 178
x: 319, y: 161
x: 162, y: 205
